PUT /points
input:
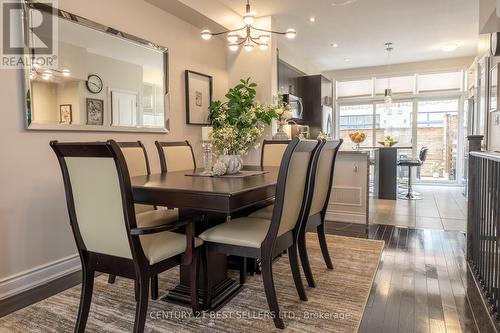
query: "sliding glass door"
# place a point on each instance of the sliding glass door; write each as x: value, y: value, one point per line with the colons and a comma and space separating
x: 438, y: 129
x: 356, y: 117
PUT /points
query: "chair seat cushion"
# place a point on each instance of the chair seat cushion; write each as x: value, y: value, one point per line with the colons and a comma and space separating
x: 164, y: 245
x: 153, y: 218
x: 410, y: 162
x: 264, y: 213
x: 243, y: 231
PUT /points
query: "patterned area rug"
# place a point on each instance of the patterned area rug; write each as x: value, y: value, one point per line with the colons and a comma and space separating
x: 335, y: 305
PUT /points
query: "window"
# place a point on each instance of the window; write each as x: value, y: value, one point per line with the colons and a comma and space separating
x: 354, y: 88
x: 440, y: 81
x: 399, y: 84
x: 356, y: 117
x: 396, y: 121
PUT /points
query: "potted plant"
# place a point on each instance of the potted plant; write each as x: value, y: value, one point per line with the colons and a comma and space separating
x: 238, y: 124
x: 283, y: 115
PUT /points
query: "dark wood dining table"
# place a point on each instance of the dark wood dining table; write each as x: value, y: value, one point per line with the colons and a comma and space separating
x: 218, y: 198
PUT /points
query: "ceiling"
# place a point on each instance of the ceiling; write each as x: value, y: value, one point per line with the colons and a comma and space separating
x: 418, y: 29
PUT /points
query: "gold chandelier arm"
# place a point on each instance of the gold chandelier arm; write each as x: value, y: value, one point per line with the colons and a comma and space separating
x: 226, y: 32
x: 270, y: 31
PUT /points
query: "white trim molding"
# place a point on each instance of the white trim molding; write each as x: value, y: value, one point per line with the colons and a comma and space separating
x: 37, y: 276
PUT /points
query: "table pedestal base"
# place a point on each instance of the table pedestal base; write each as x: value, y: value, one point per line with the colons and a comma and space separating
x: 222, y: 293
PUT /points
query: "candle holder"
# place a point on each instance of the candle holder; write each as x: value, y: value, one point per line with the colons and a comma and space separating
x: 207, y: 158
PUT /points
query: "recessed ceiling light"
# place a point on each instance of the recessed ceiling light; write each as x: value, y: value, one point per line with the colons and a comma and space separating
x: 312, y: 19
x: 334, y: 45
x: 342, y: 2
x: 347, y: 59
x: 449, y: 47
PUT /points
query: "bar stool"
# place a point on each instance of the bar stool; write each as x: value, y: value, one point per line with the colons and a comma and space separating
x: 410, y: 163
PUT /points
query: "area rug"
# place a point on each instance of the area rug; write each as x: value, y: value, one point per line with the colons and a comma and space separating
x: 335, y: 305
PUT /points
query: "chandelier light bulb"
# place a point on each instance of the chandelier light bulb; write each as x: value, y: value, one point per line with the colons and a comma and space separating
x: 66, y: 72
x: 206, y: 34
x: 249, y: 47
x: 249, y: 18
x: 263, y: 46
x: 46, y: 77
x: 233, y: 46
x: 232, y: 37
x: 32, y: 75
x: 290, y: 34
x: 264, y: 38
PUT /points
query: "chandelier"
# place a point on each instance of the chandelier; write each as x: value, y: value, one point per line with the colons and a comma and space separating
x: 248, y: 36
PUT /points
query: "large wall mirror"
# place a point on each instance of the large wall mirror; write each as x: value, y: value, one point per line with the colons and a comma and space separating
x: 102, y: 79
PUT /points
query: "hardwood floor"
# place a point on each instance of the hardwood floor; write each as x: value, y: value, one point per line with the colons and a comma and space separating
x: 422, y: 284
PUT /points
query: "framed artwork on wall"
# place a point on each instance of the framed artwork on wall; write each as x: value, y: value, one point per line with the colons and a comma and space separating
x: 65, y: 114
x: 95, y: 111
x: 199, y: 89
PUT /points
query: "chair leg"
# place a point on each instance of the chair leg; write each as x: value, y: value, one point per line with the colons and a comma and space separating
x: 154, y: 287
x: 272, y: 300
x: 111, y: 278
x: 294, y: 265
x: 207, y: 294
x: 85, y: 300
x: 194, y: 278
x: 142, y: 304
x: 243, y: 270
x: 324, y: 247
x: 304, y: 259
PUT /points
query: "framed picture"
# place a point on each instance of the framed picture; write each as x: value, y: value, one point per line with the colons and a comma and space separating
x: 198, y: 98
x: 493, y: 106
x: 65, y: 114
x: 95, y: 111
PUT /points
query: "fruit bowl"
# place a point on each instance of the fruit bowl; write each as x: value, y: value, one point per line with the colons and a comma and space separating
x: 357, y: 137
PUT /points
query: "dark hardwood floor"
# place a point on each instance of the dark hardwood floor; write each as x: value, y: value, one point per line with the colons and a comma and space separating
x: 423, y: 283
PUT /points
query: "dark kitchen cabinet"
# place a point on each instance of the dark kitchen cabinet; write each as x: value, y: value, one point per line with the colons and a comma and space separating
x: 317, y: 98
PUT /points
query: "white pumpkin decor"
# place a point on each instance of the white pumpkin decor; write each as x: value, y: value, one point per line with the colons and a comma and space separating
x: 219, y: 169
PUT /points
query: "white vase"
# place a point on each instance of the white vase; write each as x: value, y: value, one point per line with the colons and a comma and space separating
x: 234, y: 163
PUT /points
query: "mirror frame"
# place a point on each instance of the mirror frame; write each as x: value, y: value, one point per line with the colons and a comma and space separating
x: 61, y: 14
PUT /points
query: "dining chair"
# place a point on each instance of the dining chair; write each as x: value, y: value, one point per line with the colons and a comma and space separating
x: 107, y: 235
x: 137, y: 161
x: 315, y: 219
x: 175, y: 156
x: 272, y: 152
x: 315, y: 210
x: 265, y: 238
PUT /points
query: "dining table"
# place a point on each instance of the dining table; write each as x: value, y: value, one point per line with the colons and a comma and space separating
x: 218, y: 199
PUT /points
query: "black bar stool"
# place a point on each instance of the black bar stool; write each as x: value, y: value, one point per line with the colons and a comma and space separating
x: 410, y: 163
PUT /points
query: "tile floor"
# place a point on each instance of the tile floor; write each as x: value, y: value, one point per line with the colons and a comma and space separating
x: 441, y: 207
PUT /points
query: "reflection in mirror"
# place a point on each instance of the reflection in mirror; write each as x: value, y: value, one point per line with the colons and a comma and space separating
x: 100, y: 81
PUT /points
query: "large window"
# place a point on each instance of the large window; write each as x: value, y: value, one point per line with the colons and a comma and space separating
x: 425, y: 111
x: 437, y: 129
x: 356, y: 117
x: 395, y: 120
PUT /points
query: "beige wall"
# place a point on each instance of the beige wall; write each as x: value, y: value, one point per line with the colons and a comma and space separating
x: 34, y: 225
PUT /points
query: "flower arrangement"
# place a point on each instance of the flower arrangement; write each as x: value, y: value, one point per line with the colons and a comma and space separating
x: 283, y: 112
x: 239, y: 122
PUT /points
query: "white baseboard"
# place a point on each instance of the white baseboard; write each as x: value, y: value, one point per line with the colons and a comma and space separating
x: 37, y: 276
x: 345, y: 217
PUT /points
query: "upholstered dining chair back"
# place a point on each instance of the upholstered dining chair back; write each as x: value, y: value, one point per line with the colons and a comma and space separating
x: 99, y: 196
x: 175, y: 156
x: 293, y: 184
x: 138, y: 165
x: 272, y: 152
x: 324, y: 176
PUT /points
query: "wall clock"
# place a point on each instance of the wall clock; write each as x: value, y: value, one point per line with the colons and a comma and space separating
x: 94, y: 84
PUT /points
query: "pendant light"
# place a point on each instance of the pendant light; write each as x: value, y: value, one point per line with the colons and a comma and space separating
x: 389, y: 47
